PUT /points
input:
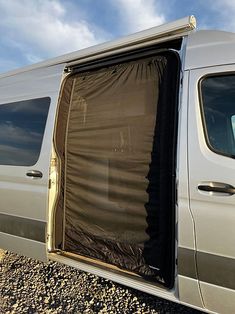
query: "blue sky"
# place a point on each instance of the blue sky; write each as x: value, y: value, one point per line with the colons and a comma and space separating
x: 34, y: 30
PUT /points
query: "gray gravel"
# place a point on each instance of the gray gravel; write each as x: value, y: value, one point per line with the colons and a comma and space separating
x: 29, y: 286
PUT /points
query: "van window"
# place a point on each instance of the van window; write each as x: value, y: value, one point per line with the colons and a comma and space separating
x: 218, y: 108
x: 22, y: 126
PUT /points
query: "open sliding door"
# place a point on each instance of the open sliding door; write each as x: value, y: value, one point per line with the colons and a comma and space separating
x: 28, y: 102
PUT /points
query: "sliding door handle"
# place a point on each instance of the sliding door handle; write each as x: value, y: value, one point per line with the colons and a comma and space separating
x: 34, y: 174
x: 217, y: 187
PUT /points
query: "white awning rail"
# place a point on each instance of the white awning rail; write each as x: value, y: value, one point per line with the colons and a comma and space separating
x: 157, y: 34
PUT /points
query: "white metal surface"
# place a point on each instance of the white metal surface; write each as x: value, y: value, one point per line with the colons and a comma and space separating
x: 188, y: 289
x: 214, y: 215
x: 218, y: 299
x: 22, y: 246
x: 21, y: 196
x: 189, y: 292
x: 209, y: 48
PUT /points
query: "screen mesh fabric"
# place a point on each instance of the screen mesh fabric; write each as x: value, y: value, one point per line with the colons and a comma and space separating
x: 108, y: 158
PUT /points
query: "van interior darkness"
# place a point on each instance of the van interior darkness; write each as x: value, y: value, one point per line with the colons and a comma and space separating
x: 116, y: 141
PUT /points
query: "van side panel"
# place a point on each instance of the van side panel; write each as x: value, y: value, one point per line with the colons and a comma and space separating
x: 24, y: 199
x: 188, y: 287
x: 211, y: 167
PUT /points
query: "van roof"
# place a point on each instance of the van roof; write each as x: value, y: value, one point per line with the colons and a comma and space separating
x: 207, y: 48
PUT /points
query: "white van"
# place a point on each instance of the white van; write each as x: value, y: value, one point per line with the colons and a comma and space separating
x: 120, y: 160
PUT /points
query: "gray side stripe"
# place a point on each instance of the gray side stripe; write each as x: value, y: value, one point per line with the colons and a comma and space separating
x: 186, y: 263
x: 217, y: 270
x: 23, y: 227
x: 214, y: 269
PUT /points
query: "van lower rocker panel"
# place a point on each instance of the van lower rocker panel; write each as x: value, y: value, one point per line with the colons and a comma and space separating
x: 23, y: 246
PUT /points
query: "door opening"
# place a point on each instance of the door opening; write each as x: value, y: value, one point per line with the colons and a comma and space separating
x: 116, y: 138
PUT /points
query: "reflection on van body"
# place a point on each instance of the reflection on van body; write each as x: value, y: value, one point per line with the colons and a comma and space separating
x: 22, y: 127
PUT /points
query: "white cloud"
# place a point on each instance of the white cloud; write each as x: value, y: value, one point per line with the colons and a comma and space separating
x: 139, y: 14
x: 226, y: 10
x: 31, y: 31
x: 42, y: 28
x: 227, y: 3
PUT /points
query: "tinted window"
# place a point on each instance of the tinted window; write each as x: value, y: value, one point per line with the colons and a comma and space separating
x: 218, y: 106
x: 22, y: 126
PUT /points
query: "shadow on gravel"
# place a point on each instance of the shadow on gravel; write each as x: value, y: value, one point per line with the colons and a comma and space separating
x: 28, y: 286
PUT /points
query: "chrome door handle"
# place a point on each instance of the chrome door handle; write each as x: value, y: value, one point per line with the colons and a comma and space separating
x: 34, y: 174
x: 217, y: 187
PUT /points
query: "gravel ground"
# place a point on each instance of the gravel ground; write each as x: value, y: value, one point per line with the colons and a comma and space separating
x: 29, y: 286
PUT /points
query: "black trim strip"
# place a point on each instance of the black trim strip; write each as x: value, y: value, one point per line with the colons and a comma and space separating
x: 127, y: 56
x: 213, y: 269
x: 23, y: 227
